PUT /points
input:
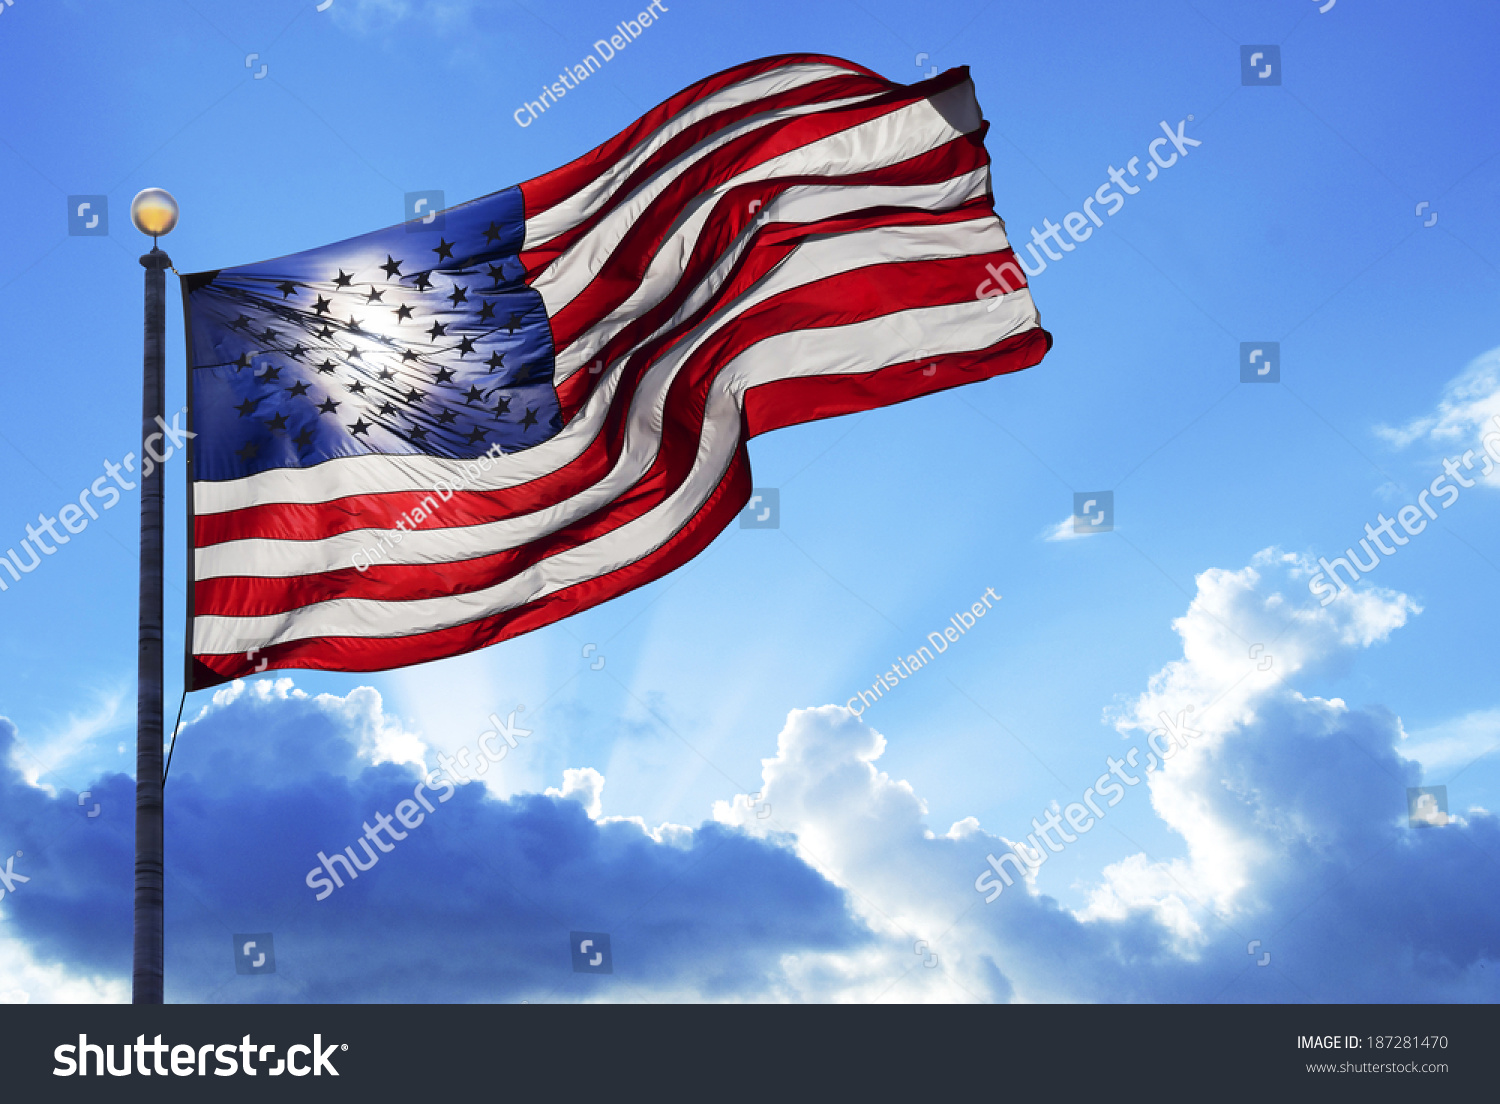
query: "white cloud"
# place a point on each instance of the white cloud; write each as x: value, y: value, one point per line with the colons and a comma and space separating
x: 378, y: 735
x: 67, y: 749
x: 1289, y: 812
x: 584, y: 785
x: 1062, y: 531
x: 1282, y: 801
x: 1242, y: 639
x: 27, y: 980
x: 865, y: 831
x: 1468, y: 400
x: 1468, y: 410
x: 1455, y: 744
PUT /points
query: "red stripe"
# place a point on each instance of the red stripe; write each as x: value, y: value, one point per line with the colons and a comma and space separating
x: 827, y: 90
x: 774, y: 404
x: 845, y: 298
x: 626, y: 264
x: 356, y: 653
x: 733, y: 212
x: 834, y: 301
x: 308, y: 521
x: 549, y: 189
x: 784, y: 403
x: 313, y: 521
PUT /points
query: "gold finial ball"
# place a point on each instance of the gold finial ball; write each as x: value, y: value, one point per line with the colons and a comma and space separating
x: 154, y: 212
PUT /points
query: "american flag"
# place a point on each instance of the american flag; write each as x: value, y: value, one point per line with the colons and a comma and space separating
x: 433, y: 437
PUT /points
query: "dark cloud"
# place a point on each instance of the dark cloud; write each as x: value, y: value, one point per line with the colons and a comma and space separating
x: 76, y: 906
x: 1290, y: 811
x: 475, y: 904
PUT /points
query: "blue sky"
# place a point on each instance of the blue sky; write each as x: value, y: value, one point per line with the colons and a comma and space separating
x: 1295, y: 221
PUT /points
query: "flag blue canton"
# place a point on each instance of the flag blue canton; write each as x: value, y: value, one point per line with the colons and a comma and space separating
x: 405, y: 341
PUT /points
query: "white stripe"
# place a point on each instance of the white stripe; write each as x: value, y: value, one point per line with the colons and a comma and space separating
x: 860, y: 347
x: 809, y: 263
x: 382, y: 474
x: 800, y: 204
x: 890, y: 138
x: 569, y: 212
x: 652, y: 186
x: 355, y: 475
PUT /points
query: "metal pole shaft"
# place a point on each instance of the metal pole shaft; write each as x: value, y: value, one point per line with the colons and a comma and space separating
x: 149, y: 834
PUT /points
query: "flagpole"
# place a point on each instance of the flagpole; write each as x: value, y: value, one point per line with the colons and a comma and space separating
x: 154, y: 212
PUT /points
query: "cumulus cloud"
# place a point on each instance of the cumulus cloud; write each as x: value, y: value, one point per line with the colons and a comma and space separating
x: 1290, y: 810
x: 829, y: 883
x: 584, y: 785
x: 1242, y: 640
x: 475, y: 903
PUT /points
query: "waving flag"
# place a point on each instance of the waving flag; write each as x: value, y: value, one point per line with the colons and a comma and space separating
x: 443, y: 434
